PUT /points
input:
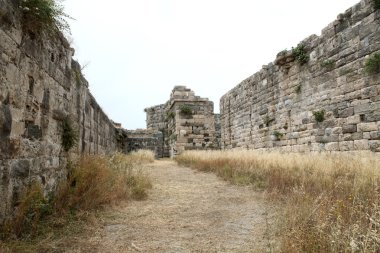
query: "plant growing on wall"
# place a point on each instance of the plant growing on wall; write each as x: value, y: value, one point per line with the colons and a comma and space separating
x: 78, y: 77
x: 45, y: 15
x: 372, y: 64
x: 69, y: 134
x: 298, y: 89
x: 170, y: 115
x: 185, y: 109
x: 319, y: 116
x: 377, y: 4
x: 278, y: 135
x: 300, y: 54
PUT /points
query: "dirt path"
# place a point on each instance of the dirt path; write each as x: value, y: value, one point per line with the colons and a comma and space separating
x: 187, y: 211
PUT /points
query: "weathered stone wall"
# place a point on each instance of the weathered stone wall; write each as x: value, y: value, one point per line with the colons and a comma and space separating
x: 273, y: 109
x: 193, y: 130
x: 142, y: 139
x: 156, y: 117
x: 157, y: 120
x: 184, y: 131
x: 218, y: 134
x: 40, y: 87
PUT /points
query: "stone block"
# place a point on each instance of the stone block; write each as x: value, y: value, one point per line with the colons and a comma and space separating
x: 351, y: 128
x: 375, y: 116
x: 362, y: 108
x: 329, y: 123
x: 367, y: 127
x: 59, y: 114
x: 375, y: 135
x: 366, y: 107
x: 33, y: 132
x: 346, y: 112
x: 355, y: 119
x: 361, y: 145
x: 332, y: 146
x: 337, y: 130
x: 328, y: 131
x: 18, y: 129
x: 374, y: 145
x: 346, y: 145
x: 20, y: 168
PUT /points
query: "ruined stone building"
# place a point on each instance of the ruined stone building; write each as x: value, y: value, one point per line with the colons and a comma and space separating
x: 186, y: 121
x: 318, y: 97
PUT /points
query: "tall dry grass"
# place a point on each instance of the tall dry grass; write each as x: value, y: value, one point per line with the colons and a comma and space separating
x: 331, y: 202
x: 99, y: 180
x: 93, y: 181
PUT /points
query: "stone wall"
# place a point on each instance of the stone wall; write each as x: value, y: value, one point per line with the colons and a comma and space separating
x: 156, y: 117
x: 193, y: 129
x: 218, y: 134
x: 40, y: 88
x: 275, y: 107
x: 142, y: 139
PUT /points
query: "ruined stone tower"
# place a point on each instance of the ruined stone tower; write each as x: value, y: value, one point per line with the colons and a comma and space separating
x: 187, y: 122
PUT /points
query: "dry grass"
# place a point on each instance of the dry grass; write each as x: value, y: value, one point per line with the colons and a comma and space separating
x: 331, y: 202
x: 100, y: 180
x: 93, y: 182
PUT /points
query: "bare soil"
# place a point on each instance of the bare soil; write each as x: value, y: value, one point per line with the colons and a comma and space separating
x: 186, y: 211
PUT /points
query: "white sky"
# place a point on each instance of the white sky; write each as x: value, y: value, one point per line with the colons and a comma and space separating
x: 138, y: 50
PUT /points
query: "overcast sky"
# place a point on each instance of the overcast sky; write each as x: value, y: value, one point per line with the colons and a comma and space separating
x: 138, y: 50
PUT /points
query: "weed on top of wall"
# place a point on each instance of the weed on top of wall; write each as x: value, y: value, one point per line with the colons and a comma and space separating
x: 43, y: 15
x: 300, y: 54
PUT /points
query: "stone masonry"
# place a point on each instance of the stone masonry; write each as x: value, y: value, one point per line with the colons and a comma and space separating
x: 145, y: 140
x: 186, y: 121
x: 40, y: 88
x: 275, y: 108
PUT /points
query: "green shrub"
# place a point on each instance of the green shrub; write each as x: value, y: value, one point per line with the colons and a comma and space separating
x: 377, y: 4
x: 185, y: 109
x: 300, y: 54
x: 69, y: 134
x: 372, y: 65
x: 170, y: 115
x: 44, y: 15
x: 319, y: 116
x: 278, y: 134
